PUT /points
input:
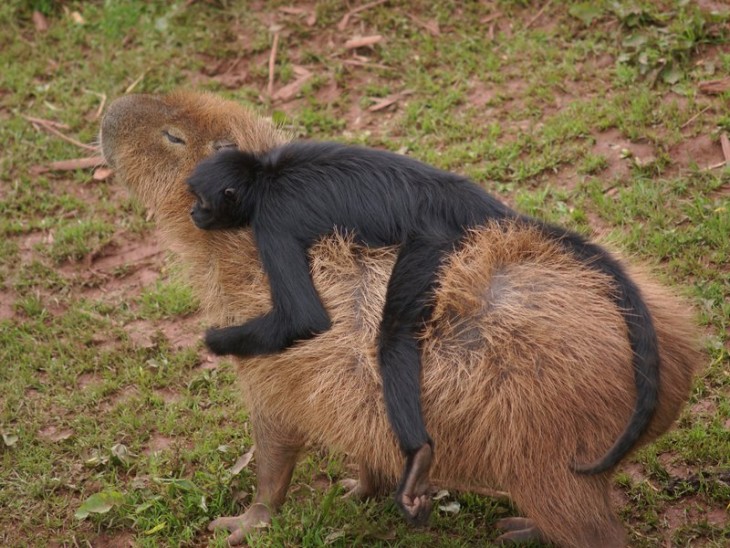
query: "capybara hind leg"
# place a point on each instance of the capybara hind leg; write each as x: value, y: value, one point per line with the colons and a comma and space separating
x: 560, y: 510
x: 370, y: 484
x: 276, y: 456
x: 518, y: 531
x: 612, y: 535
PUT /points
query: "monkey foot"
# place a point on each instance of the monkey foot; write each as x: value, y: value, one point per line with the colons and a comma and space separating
x: 414, y: 497
x: 256, y: 517
x: 519, y: 530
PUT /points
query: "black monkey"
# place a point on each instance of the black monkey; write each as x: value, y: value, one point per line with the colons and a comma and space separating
x: 294, y: 194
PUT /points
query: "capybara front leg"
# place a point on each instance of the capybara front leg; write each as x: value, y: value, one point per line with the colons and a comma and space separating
x: 276, y: 456
x: 369, y: 484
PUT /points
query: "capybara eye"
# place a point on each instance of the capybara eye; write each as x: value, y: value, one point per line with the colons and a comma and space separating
x: 173, y: 138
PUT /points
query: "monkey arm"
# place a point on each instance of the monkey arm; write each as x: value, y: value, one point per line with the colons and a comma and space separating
x: 297, y: 312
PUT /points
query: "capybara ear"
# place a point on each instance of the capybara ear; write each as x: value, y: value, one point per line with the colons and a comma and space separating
x: 221, y: 144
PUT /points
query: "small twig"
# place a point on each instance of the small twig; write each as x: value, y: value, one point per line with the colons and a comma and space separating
x: 385, y: 102
x: 346, y: 18
x: 725, y: 144
x: 490, y: 18
x: 714, y: 166
x: 430, y: 26
x: 233, y: 65
x: 272, y: 63
x: 44, y: 122
x: 484, y: 491
x: 51, y: 129
x: 134, y: 84
x: 101, y: 96
x: 77, y: 163
x: 688, y: 122
x: 364, y: 64
x: 362, y: 42
x: 538, y: 14
x: 490, y: 33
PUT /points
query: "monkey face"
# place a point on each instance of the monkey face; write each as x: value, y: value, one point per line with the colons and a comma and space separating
x: 222, y: 186
x: 217, y: 212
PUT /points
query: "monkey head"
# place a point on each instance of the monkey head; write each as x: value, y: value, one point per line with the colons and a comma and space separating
x: 222, y: 187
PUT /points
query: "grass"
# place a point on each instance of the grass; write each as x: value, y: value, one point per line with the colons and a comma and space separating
x: 590, y: 116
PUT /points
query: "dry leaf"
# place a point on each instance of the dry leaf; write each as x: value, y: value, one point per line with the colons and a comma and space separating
x: 451, y: 507
x: 431, y: 26
x: 51, y: 433
x: 443, y: 493
x: 40, y: 22
x: 77, y: 18
x: 714, y: 87
x: 363, y: 41
x: 102, y: 173
x: 242, y: 462
x: 289, y: 91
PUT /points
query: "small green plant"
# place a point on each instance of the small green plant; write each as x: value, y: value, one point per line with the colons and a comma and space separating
x: 75, y: 240
x: 167, y: 300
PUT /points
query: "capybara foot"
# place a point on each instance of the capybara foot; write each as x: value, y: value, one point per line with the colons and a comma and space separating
x: 355, y: 489
x: 519, y: 530
x: 414, y: 496
x: 258, y: 516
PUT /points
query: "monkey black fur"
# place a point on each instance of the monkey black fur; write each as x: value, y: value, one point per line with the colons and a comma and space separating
x: 296, y: 193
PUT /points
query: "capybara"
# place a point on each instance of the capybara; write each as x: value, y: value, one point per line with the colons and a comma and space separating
x: 526, y: 360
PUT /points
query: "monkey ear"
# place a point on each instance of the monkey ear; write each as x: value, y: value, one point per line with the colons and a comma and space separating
x: 230, y: 193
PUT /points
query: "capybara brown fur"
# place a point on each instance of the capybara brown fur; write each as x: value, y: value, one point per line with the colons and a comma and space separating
x: 526, y: 362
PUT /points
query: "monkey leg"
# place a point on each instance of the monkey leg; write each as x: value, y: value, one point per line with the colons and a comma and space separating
x: 276, y: 455
x: 407, y: 306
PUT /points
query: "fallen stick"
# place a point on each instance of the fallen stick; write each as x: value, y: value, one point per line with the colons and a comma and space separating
x: 346, y: 18
x: 688, y: 122
x: 355, y: 43
x: 70, y: 165
x: 49, y: 127
x: 538, y: 14
x: 725, y: 144
x: 272, y: 64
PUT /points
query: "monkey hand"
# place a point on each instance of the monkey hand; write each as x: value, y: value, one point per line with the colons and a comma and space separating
x: 241, y: 340
x: 221, y: 341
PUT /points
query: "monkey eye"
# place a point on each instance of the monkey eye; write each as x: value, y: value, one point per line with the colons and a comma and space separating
x: 174, y: 139
x: 230, y: 193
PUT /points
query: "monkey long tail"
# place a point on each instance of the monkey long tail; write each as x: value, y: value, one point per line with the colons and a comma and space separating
x: 643, y: 341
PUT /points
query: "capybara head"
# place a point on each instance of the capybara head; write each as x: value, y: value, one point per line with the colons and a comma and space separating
x: 153, y: 142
